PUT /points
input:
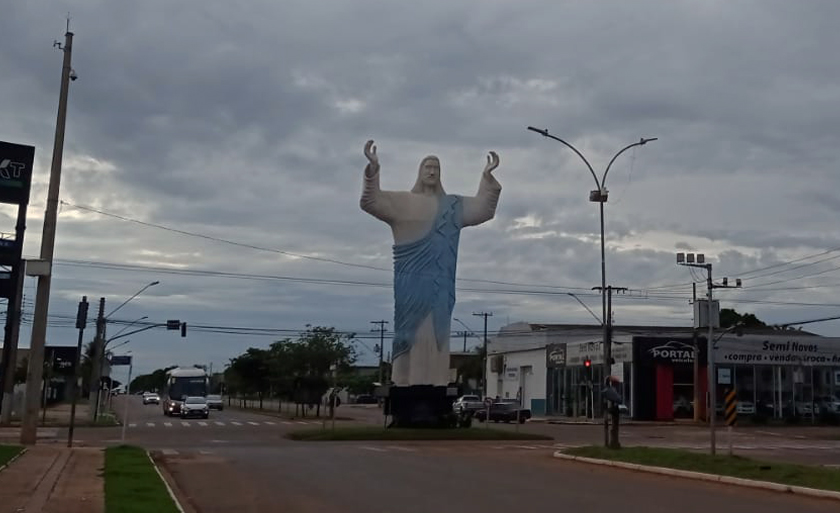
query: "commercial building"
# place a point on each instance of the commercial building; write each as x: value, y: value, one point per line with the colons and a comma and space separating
x: 777, y: 373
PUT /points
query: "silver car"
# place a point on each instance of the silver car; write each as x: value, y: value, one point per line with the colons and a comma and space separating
x: 195, y: 407
x: 214, y: 402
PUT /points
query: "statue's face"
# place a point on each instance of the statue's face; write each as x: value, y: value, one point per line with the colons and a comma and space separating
x: 430, y: 174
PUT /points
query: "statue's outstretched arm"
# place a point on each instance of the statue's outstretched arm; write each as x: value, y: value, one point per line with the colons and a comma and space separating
x: 482, y: 207
x: 374, y: 201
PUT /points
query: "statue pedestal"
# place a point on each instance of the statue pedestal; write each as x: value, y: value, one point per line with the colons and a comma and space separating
x: 421, y: 406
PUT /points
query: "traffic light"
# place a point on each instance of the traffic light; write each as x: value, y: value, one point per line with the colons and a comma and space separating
x: 587, y: 369
x: 183, y: 329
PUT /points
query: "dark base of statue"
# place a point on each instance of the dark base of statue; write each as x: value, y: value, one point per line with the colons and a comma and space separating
x: 421, y: 406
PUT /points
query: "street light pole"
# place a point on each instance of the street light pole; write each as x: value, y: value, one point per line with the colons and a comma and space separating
x: 600, y: 196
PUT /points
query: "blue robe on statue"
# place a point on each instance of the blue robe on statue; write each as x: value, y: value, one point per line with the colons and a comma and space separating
x: 424, y: 277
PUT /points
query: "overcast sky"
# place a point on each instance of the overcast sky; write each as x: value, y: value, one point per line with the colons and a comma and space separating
x: 246, y: 121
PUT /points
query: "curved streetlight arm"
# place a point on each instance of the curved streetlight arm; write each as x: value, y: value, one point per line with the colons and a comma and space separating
x: 641, y: 142
x: 132, y: 297
x: 131, y: 324
x: 544, y: 133
x: 133, y: 332
x: 469, y: 330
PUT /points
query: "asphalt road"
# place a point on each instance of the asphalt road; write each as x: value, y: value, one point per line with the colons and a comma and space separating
x: 240, y: 461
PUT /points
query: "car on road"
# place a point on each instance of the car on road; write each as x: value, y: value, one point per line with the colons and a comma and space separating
x: 467, y: 403
x: 195, y: 406
x: 151, y: 398
x: 503, y: 412
x: 214, y: 402
x: 366, y: 399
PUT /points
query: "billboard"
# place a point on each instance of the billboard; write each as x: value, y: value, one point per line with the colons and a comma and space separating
x: 15, y: 172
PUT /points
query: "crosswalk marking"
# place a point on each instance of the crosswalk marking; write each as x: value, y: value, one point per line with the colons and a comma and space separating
x: 185, y: 423
x: 220, y: 423
x: 169, y: 452
x: 150, y: 424
x: 236, y: 423
x: 269, y: 423
x: 286, y: 423
x: 399, y: 448
x: 254, y: 423
x: 133, y: 424
x: 167, y: 424
x: 302, y: 422
x: 202, y: 423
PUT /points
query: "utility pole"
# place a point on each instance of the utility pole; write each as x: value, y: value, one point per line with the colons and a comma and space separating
x: 688, y: 260
x: 484, y: 366
x: 697, y: 397
x: 96, y: 357
x: 29, y: 426
x: 465, y: 340
x: 13, y: 315
x: 610, y: 435
x: 381, y: 331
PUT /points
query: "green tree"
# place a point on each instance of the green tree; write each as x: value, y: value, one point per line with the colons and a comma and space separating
x: 729, y: 318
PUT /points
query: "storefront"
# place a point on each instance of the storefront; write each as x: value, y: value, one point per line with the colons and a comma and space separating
x: 664, y: 376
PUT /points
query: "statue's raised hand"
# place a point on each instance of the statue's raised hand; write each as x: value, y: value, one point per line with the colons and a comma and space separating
x: 492, y: 162
x: 370, y: 153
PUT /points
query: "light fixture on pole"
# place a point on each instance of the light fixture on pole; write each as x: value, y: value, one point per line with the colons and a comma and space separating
x: 699, y: 261
x: 599, y: 195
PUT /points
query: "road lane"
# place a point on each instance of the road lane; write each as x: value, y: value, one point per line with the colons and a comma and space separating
x: 442, y: 477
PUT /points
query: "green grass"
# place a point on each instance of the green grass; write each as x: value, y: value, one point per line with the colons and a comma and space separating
x: 378, y: 433
x: 8, y: 452
x: 132, y: 485
x: 734, y: 466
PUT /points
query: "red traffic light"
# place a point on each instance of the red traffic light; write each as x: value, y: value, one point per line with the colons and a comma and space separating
x: 587, y: 363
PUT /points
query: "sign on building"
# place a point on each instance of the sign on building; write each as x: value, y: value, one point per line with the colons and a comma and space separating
x: 795, y: 350
x: 555, y: 355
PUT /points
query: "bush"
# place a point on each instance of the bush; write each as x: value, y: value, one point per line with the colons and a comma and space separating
x: 759, y: 418
x: 829, y: 418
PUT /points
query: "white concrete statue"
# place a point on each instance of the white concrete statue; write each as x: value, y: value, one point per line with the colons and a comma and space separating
x: 426, y: 223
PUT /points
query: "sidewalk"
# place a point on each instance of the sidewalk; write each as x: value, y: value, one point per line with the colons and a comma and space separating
x: 52, y: 479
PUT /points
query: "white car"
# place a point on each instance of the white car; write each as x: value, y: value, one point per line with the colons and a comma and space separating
x: 151, y: 398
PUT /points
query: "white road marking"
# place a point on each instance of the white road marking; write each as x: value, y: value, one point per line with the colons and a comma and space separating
x: 398, y: 448
x: 254, y: 423
x: 298, y: 421
x: 220, y: 423
x: 205, y: 452
x: 236, y: 423
x: 185, y: 423
x: 287, y: 423
x: 269, y: 423
x: 169, y: 452
x: 150, y: 424
x: 167, y: 424
x: 377, y: 449
x: 132, y: 424
x: 202, y: 423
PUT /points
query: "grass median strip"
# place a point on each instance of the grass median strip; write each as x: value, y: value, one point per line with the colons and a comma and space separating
x: 734, y: 466
x: 7, y: 452
x: 131, y: 483
x: 378, y: 433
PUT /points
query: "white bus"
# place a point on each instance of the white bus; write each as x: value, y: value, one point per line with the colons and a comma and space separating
x: 180, y: 384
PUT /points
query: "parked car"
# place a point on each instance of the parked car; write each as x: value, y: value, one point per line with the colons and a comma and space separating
x: 366, y: 399
x: 503, y: 412
x: 195, y: 406
x: 214, y: 402
x: 467, y: 403
x: 151, y: 398
x: 745, y: 408
x: 829, y: 403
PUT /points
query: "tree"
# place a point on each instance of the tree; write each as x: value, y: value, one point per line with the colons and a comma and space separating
x: 153, y: 382
x: 729, y: 318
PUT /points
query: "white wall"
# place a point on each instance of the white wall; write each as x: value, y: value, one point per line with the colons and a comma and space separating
x: 517, y: 373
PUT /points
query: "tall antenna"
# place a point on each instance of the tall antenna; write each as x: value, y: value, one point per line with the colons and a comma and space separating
x: 68, y: 21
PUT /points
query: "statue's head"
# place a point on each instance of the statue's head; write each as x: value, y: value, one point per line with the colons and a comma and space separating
x: 428, y: 177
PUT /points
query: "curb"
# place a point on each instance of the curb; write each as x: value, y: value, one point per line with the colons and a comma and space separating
x: 700, y: 476
x: 166, y: 484
x: 14, y: 458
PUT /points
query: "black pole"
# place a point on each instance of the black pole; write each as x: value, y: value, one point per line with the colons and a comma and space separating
x: 81, y: 320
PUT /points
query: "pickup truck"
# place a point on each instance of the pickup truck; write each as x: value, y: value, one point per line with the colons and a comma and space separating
x: 467, y: 403
x: 503, y: 412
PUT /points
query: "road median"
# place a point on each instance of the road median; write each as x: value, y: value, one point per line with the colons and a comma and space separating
x: 8, y: 454
x: 133, y: 483
x: 734, y: 470
x: 378, y: 433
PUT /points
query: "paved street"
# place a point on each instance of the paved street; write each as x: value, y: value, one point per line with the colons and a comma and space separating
x: 239, y: 461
